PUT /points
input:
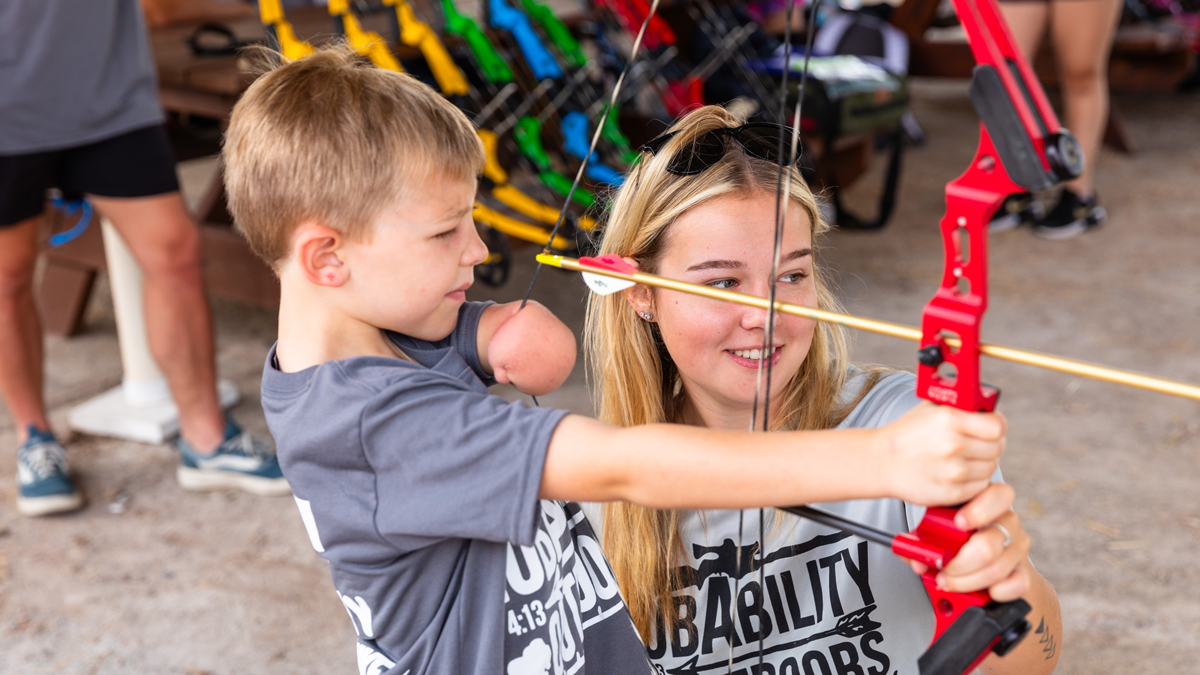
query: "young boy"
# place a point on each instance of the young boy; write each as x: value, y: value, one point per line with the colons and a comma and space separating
x: 431, y: 498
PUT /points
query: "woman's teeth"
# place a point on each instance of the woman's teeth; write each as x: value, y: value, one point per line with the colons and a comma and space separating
x: 753, y: 354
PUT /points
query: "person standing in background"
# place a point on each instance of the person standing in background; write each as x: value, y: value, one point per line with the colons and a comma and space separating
x: 1081, y: 32
x: 79, y: 111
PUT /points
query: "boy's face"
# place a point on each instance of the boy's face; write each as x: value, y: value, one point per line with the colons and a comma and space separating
x: 410, y: 275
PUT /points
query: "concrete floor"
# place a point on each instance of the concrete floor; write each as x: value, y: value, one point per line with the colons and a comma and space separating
x: 1106, y: 476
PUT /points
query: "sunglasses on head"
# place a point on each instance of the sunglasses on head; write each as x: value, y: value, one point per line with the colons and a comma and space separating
x: 758, y: 139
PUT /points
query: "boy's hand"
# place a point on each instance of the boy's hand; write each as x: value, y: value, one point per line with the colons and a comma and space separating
x: 527, y: 348
x: 936, y: 455
x: 985, y: 561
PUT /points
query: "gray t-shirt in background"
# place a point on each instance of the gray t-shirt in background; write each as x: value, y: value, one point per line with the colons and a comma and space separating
x: 73, y: 72
x: 421, y: 490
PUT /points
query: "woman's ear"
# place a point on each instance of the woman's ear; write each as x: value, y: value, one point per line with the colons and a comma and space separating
x: 641, y: 298
x: 318, y: 252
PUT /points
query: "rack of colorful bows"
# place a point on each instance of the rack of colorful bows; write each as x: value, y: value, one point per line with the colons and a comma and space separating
x: 536, y: 87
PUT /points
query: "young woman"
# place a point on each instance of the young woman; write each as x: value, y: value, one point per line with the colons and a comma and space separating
x: 701, y: 207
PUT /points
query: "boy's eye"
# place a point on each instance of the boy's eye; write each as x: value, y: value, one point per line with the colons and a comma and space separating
x: 447, y: 234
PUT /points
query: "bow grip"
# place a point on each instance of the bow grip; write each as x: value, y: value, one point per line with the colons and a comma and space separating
x: 658, y: 32
x: 539, y: 59
x: 494, y: 69
x: 684, y: 95
x: 604, y: 174
x: 528, y: 134
x: 559, y: 34
x: 658, y: 27
x: 411, y: 31
x: 576, y: 143
x: 968, y: 626
x: 562, y: 185
x: 575, y: 136
x: 612, y: 134
x: 971, y: 631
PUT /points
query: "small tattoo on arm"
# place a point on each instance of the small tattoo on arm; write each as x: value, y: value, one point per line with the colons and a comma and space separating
x: 1049, y: 644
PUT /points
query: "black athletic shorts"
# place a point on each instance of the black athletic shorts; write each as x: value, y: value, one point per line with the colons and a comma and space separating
x: 138, y: 163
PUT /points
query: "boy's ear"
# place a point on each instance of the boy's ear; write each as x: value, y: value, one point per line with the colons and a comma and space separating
x: 317, y: 250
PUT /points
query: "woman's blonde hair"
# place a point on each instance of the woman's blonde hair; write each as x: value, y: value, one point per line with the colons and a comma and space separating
x: 635, y: 379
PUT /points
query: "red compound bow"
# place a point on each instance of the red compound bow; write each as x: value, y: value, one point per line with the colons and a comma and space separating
x: 1022, y: 148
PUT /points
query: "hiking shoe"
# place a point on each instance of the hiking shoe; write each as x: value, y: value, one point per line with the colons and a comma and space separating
x: 1016, y: 210
x: 242, y: 461
x: 1072, y: 217
x: 43, y: 481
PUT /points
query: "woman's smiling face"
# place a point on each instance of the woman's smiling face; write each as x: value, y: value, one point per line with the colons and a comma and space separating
x: 727, y: 243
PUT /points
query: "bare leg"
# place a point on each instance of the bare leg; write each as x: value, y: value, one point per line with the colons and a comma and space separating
x: 21, y: 355
x: 166, y: 243
x: 1027, y: 20
x: 1083, y: 34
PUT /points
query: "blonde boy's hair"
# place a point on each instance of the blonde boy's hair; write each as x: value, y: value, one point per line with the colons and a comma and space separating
x: 332, y: 139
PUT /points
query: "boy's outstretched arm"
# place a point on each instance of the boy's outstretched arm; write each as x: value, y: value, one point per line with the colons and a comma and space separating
x: 933, y: 455
x: 528, y: 348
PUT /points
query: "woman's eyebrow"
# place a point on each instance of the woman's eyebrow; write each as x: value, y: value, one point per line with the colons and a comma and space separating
x: 737, y: 264
x: 798, y: 253
x: 717, y: 265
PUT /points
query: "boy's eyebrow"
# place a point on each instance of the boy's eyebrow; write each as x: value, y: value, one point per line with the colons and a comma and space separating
x: 456, y: 214
x: 737, y: 264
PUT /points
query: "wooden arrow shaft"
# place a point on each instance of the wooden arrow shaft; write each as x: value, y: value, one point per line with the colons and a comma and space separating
x: 1064, y: 365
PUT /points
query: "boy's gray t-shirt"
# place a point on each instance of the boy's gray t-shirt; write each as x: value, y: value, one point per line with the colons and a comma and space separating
x: 421, y: 490
x: 73, y: 72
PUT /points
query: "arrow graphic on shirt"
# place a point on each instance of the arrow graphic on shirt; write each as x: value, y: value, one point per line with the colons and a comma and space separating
x: 853, y: 624
x: 726, y: 563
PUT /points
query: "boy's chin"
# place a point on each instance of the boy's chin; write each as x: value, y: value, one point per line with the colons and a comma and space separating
x: 437, y: 326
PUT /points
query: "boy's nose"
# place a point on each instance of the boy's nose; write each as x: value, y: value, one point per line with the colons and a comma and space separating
x: 476, y: 251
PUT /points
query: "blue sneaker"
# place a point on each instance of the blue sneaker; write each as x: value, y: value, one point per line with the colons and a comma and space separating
x: 242, y: 461
x: 44, y: 484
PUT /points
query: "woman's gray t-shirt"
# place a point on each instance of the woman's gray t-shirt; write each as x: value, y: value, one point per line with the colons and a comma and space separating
x: 833, y: 604
x: 421, y: 490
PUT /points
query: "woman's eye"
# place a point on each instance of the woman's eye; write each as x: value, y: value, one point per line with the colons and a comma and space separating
x: 793, y: 277
x: 723, y: 283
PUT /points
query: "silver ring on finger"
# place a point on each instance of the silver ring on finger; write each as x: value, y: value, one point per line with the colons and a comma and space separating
x: 1004, y: 531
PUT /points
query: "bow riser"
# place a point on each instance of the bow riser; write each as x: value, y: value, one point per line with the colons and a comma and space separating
x: 957, y: 308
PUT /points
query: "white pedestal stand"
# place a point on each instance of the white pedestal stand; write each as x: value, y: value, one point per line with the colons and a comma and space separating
x: 141, y: 408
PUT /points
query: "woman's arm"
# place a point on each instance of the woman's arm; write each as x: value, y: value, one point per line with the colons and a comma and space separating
x: 528, y: 348
x: 931, y: 455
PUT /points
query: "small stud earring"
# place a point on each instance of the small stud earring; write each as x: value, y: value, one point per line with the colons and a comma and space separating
x: 646, y: 315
